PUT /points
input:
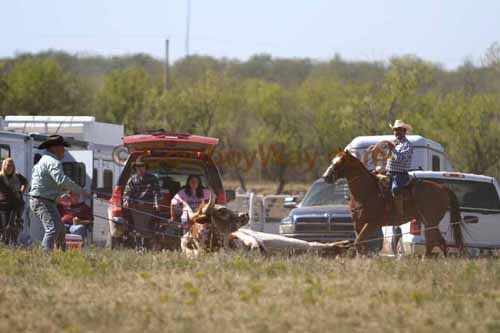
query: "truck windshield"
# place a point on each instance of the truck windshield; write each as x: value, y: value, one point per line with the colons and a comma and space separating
x: 322, y: 194
x: 473, y: 194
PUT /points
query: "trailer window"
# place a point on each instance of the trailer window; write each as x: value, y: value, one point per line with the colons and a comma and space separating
x: 4, y: 152
x: 436, y: 163
x: 107, y: 177
x: 94, y: 179
x: 37, y: 158
x: 75, y: 171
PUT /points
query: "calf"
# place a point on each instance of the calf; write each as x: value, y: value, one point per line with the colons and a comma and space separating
x: 212, y: 226
x: 215, y: 227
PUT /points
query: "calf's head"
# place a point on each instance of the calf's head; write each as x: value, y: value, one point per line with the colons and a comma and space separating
x: 224, y: 219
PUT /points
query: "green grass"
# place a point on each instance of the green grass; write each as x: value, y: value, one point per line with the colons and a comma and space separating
x: 123, y: 291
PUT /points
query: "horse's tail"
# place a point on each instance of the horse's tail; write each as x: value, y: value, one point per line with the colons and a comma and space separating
x: 456, y: 220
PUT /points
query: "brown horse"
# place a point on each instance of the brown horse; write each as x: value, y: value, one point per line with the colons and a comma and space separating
x: 371, y: 208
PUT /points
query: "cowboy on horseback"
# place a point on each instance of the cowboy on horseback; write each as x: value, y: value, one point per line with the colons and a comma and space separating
x: 429, y: 203
x: 398, y: 164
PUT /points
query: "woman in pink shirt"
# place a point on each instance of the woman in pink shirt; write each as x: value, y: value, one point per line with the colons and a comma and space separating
x: 191, y: 196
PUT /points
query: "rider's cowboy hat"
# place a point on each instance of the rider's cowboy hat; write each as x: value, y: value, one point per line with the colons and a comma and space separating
x: 53, y: 140
x: 401, y: 124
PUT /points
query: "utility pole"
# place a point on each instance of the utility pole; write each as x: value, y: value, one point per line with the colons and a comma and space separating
x: 188, y: 25
x: 166, y: 67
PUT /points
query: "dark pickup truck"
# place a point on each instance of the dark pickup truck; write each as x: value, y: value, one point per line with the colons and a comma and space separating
x: 323, y: 215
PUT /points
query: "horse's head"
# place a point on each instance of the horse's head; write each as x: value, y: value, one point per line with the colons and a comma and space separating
x: 340, y: 163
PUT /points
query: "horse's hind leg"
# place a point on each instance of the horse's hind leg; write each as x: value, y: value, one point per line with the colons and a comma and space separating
x: 442, y: 243
x: 429, y: 243
x: 396, y: 238
x: 433, y: 238
x: 437, y: 239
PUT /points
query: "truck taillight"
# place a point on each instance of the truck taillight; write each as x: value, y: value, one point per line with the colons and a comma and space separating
x: 116, y: 196
x: 116, y: 202
x: 415, y: 227
x: 221, y: 198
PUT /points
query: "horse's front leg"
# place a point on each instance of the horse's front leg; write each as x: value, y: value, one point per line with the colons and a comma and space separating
x: 361, y: 240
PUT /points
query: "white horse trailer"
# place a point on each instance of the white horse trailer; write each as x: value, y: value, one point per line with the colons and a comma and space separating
x: 427, y: 154
x: 101, y: 138
x: 22, y: 148
x: 88, y: 162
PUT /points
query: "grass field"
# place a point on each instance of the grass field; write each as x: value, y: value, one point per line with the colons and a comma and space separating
x: 124, y: 291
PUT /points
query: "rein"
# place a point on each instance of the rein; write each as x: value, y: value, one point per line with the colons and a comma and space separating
x: 354, y: 179
x: 363, y: 195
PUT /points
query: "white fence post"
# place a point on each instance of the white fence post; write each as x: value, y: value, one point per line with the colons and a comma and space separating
x: 258, y: 215
x: 250, y: 208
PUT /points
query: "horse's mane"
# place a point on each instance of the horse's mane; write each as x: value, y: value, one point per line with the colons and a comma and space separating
x: 364, y: 168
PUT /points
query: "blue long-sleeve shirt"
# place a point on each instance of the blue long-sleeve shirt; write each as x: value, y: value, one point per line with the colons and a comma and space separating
x: 400, y: 160
x: 48, y: 179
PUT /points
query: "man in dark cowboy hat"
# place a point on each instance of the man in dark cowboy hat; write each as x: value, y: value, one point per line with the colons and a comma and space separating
x: 399, y: 163
x: 47, y: 183
x: 142, y: 196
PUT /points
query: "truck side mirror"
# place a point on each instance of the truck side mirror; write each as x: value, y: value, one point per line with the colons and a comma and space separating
x: 290, y: 202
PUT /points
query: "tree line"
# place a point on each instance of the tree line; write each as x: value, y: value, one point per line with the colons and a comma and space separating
x: 278, y: 119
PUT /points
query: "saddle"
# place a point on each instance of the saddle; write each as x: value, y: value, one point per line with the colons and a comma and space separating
x: 384, y: 183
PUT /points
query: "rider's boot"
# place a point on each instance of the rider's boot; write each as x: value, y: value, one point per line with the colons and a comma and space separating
x: 399, y: 204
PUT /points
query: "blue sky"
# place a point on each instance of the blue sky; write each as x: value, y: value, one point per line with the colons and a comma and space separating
x: 443, y: 31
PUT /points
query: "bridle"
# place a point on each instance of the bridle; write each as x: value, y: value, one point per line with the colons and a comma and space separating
x: 351, y: 180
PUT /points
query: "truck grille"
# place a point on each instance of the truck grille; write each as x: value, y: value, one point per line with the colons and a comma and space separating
x: 325, y: 228
x: 312, y: 219
x: 342, y: 227
x: 341, y: 220
x: 312, y: 224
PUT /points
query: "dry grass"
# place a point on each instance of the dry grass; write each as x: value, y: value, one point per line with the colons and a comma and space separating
x: 123, y: 291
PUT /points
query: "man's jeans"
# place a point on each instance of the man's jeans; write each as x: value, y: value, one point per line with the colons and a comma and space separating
x: 78, y: 229
x: 399, y: 180
x: 47, y: 213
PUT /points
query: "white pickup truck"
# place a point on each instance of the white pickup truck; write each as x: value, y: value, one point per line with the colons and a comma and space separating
x: 480, y: 209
